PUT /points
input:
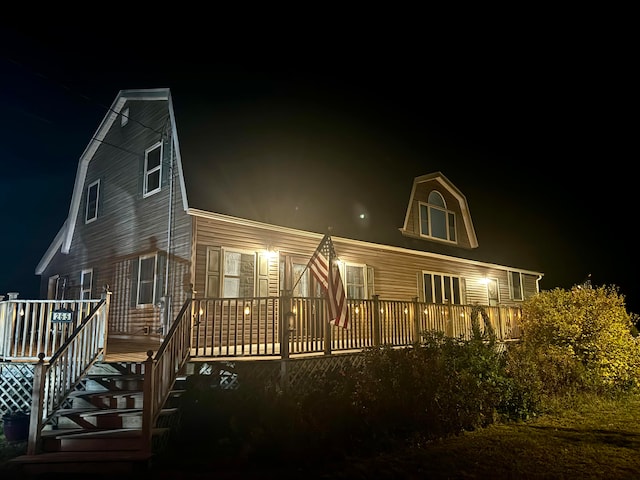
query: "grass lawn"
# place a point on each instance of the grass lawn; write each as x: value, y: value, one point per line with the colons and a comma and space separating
x: 591, y: 439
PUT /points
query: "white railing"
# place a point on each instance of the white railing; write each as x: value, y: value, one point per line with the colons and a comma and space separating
x: 161, y: 370
x: 55, y: 379
x: 31, y: 327
x: 284, y: 326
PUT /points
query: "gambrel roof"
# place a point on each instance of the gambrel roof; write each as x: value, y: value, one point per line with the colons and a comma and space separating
x: 255, y: 166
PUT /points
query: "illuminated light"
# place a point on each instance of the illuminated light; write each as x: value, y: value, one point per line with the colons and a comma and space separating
x: 382, y: 310
x: 295, y: 309
x: 201, y: 312
x: 484, y: 280
x: 426, y: 311
x: 21, y: 312
x: 357, y: 310
x: 362, y: 215
x: 270, y: 253
x: 406, y: 310
x: 247, y: 310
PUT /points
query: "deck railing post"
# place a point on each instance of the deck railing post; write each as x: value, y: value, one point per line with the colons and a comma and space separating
x: 285, y: 327
x: 416, y: 321
x: 5, y: 329
x: 148, y: 390
x: 376, y: 321
x: 37, y: 406
x: 327, y: 329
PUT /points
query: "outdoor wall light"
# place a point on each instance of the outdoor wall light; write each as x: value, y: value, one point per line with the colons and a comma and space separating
x: 247, y: 310
x: 290, y: 317
x: 357, y: 310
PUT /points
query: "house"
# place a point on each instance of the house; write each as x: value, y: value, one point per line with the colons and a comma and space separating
x: 158, y: 218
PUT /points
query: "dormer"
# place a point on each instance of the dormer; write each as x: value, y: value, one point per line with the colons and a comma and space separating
x: 438, y: 212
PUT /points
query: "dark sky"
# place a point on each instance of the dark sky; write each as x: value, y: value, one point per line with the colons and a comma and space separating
x: 531, y: 125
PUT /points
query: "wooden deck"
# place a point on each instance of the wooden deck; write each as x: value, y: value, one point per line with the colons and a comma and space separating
x: 130, y: 349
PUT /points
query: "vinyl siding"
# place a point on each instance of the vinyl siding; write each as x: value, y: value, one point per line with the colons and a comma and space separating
x: 129, y: 225
x: 396, y: 272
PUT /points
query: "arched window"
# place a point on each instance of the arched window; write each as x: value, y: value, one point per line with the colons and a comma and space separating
x: 435, y: 220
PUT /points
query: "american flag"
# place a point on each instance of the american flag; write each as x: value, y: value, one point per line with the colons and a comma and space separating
x: 331, y: 282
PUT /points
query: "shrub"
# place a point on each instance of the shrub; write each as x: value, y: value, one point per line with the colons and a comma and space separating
x: 581, y: 339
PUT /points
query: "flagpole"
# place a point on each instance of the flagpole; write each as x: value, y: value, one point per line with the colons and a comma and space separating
x: 319, y: 247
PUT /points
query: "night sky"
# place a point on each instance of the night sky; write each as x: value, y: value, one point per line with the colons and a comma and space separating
x: 533, y: 130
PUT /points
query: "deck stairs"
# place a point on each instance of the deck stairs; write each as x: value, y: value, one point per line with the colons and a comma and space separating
x: 99, y: 427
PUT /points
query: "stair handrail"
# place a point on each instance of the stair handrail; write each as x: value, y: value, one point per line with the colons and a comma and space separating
x: 161, y: 370
x: 54, y: 380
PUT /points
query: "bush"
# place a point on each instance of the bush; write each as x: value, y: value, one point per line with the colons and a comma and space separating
x: 581, y: 339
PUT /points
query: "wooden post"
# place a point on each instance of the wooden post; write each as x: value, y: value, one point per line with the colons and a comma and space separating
x: 5, y: 328
x: 37, y: 406
x: 327, y: 328
x: 450, y: 324
x: 285, y: 312
x: 416, y: 321
x: 148, y: 402
x: 377, y: 334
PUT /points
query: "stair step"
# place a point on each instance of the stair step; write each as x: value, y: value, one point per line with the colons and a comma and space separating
x: 92, y: 411
x: 109, y: 462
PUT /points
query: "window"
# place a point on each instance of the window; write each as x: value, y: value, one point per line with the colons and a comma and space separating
x: 435, y: 220
x: 515, y: 285
x: 152, y: 169
x: 439, y: 288
x: 86, y: 280
x: 296, y: 277
x: 124, y: 117
x: 232, y: 273
x: 56, y: 287
x: 93, y: 191
x: 146, y: 280
x: 357, y: 279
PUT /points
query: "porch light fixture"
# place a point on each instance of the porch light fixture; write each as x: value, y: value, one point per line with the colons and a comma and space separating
x: 406, y: 310
x: 290, y: 317
x: 294, y: 309
x: 357, y: 310
x: 247, y: 309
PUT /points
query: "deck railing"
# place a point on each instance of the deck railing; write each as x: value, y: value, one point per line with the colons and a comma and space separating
x: 55, y: 379
x: 162, y: 369
x: 284, y: 326
x: 31, y: 327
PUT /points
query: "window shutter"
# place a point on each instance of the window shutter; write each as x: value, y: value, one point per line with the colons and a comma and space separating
x: 463, y: 288
x: 370, y: 284
x: 141, y: 175
x: 166, y: 162
x: 133, y: 301
x: 161, y: 262
x: 421, y: 287
x: 263, y: 275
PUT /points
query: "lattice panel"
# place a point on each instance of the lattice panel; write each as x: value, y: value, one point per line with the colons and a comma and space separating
x: 16, y: 386
x: 298, y: 374
x: 302, y: 373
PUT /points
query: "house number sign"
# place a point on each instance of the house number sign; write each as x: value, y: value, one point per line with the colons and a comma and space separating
x: 62, y: 316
